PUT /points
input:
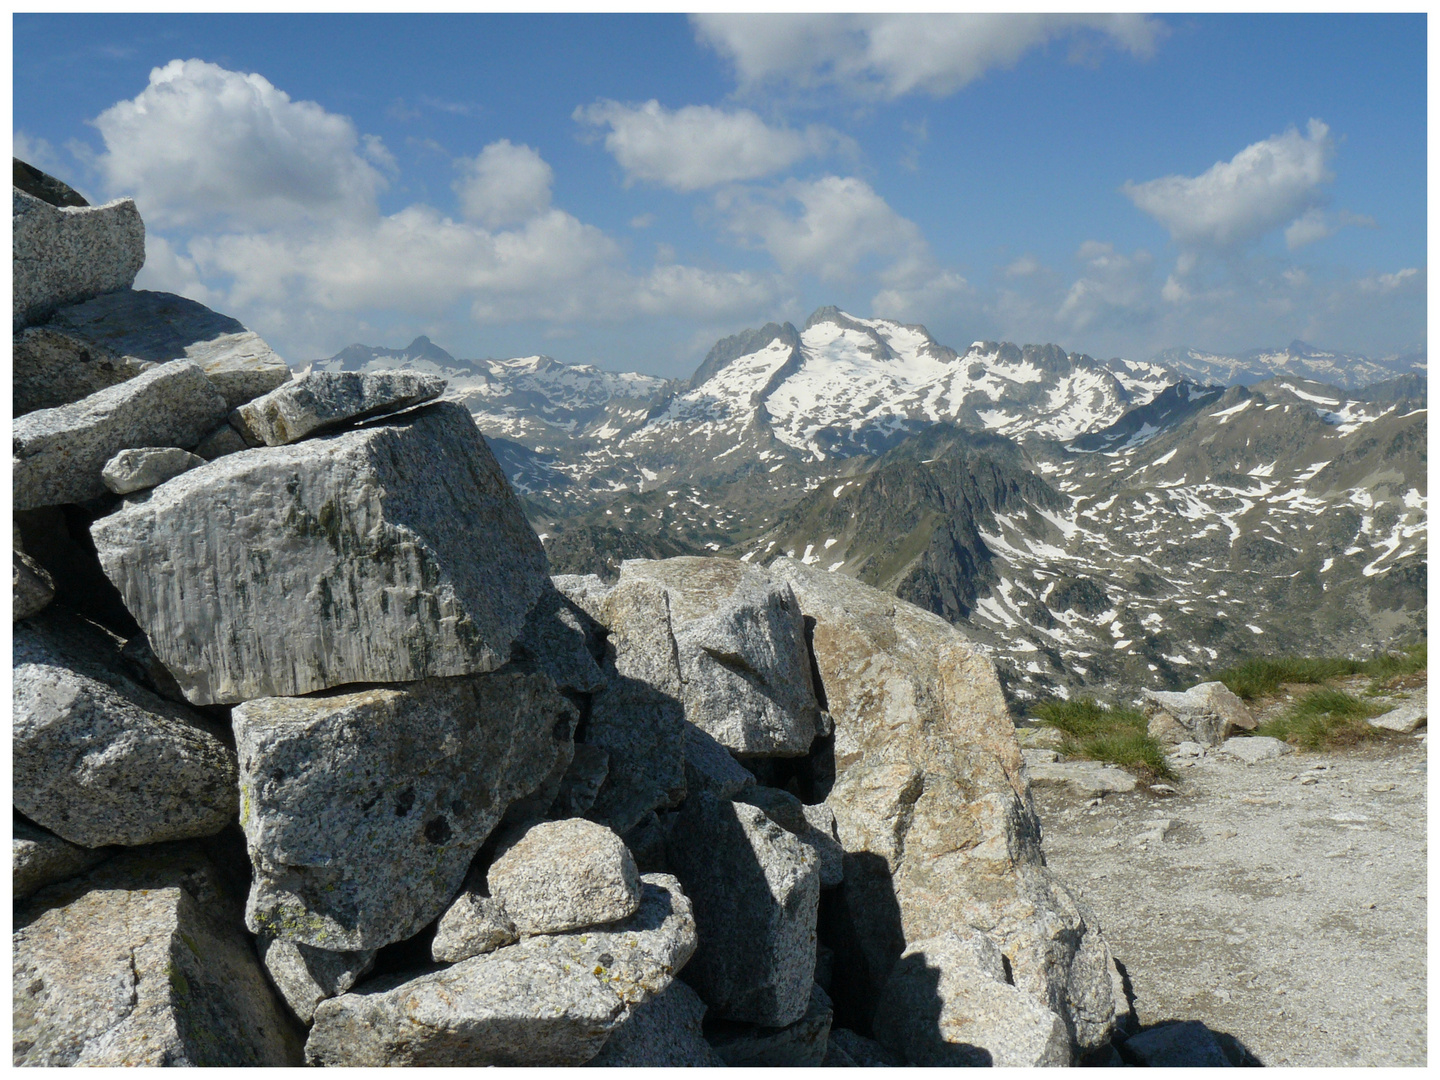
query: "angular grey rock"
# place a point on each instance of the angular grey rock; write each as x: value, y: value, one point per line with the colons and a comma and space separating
x: 565, y: 875
x: 144, y: 961
x: 33, y: 587
x: 755, y: 889
x: 220, y: 442
x: 364, y: 810
x: 306, y: 976
x: 947, y: 1002
x: 933, y: 808
x: 59, y: 453
x: 800, y: 821
x: 741, y: 646
x: 709, y: 766
x: 589, y: 765
x: 146, y: 467
x: 865, y: 1053
x: 1184, y: 1044
x: 342, y: 559
x: 99, y: 760
x: 1209, y: 711
x: 114, y: 337
x: 646, y: 842
x: 1404, y: 719
x: 44, y: 186
x: 475, y: 923
x: 638, y: 719
x: 550, y: 1000
x: 588, y: 592
x: 836, y: 1058
x: 63, y: 255
x: 145, y: 667
x: 558, y: 637
x: 662, y: 1033
x: 1253, y: 748
x: 1088, y: 779
x: 802, y: 1044
x: 40, y: 858
x: 318, y: 400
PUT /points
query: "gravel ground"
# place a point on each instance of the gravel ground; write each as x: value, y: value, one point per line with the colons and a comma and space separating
x: 1284, y: 905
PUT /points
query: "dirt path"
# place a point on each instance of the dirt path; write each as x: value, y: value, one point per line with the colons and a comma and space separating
x: 1289, y: 914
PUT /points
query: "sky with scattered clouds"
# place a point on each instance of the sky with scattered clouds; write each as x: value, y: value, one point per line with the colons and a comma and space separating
x: 623, y: 190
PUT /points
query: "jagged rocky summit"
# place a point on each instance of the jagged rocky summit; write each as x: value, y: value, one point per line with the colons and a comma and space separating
x: 316, y: 763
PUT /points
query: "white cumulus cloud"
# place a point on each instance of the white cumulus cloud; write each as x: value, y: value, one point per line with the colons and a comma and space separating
x: 888, y: 56
x: 504, y: 184
x: 1261, y: 188
x: 201, y: 142
x: 699, y: 146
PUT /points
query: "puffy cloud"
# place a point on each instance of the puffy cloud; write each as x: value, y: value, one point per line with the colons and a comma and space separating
x: 268, y: 209
x: 1315, y: 224
x: 699, y: 146
x: 1261, y: 188
x: 504, y: 184
x: 1386, y: 283
x: 841, y: 221
x: 887, y: 56
x: 201, y: 142
x: 1113, y: 288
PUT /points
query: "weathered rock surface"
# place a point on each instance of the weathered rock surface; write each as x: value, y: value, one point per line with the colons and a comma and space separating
x: 144, y: 961
x: 558, y: 636
x: 1185, y: 1044
x: 306, y: 976
x: 220, y: 442
x: 864, y: 1053
x: 812, y: 826
x: 947, y: 1002
x: 802, y: 1044
x: 709, y: 766
x: 99, y: 760
x: 588, y: 592
x: 40, y: 858
x: 932, y: 807
x: 1209, y: 711
x: 114, y: 337
x: 1089, y: 779
x: 44, y: 186
x: 342, y: 559
x: 755, y: 889
x: 550, y: 1000
x: 64, y: 254
x: 745, y: 672
x: 146, y: 467
x: 1253, y: 748
x: 565, y: 875
x: 318, y: 400
x: 589, y: 765
x: 1404, y: 719
x: 59, y: 453
x: 363, y: 810
x: 33, y: 587
x: 638, y: 719
x: 664, y: 1032
x: 475, y: 923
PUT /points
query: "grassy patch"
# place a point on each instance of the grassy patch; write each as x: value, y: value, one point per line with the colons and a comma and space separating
x: 1324, y: 718
x: 1100, y: 733
x: 1264, y: 676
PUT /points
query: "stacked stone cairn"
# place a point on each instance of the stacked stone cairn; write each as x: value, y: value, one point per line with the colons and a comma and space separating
x: 315, y: 763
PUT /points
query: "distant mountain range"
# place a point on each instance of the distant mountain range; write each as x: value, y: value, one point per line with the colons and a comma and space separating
x: 1092, y: 522
x: 1347, y: 371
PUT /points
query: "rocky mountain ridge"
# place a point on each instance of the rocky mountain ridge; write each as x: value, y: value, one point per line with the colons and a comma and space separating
x: 1298, y: 360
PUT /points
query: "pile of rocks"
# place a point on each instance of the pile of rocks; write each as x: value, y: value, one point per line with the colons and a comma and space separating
x: 313, y: 761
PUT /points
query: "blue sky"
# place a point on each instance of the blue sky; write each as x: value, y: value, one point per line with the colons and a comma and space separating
x: 625, y: 189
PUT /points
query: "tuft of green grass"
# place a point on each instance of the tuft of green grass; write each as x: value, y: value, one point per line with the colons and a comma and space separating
x: 1099, y: 732
x: 1324, y: 718
x: 1264, y: 676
